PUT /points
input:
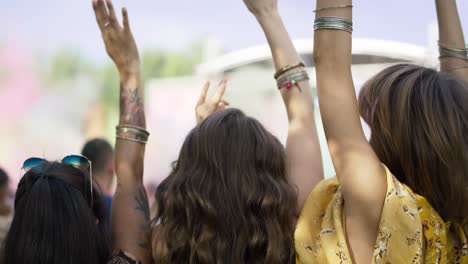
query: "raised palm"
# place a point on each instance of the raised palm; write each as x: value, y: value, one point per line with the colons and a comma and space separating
x: 119, y: 41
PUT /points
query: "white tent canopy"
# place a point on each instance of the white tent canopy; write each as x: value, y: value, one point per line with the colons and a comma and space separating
x: 396, y: 51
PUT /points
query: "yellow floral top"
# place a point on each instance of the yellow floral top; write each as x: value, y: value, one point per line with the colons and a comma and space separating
x: 410, y: 231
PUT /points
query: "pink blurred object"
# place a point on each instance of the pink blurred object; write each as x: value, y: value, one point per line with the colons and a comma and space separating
x: 19, y: 83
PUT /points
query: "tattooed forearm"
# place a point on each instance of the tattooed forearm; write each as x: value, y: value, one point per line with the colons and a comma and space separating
x: 132, y: 110
x: 142, y: 207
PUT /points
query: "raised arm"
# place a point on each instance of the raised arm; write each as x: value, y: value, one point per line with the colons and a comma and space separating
x: 304, y: 161
x: 130, y: 210
x: 361, y: 176
x: 451, y: 37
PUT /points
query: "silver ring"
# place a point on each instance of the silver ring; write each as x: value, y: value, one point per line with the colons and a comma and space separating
x: 106, y: 24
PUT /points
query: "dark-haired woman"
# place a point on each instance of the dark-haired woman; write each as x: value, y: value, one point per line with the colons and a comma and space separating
x: 234, y: 192
x: 59, y: 214
x: 402, y: 198
x: 58, y: 218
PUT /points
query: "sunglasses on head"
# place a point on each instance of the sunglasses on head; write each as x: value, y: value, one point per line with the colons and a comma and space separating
x: 77, y: 161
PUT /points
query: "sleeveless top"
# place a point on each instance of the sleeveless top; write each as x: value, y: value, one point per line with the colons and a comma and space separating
x: 122, y: 258
x: 410, y: 230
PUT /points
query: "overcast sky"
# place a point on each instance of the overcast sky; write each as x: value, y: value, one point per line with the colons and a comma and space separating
x: 46, y: 25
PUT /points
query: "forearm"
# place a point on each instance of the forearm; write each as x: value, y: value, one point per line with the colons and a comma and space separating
x: 451, y: 35
x: 304, y: 161
x: 130, y: 212
x: 131, y: 100
x: 129, y: 155
x: 299, y: 102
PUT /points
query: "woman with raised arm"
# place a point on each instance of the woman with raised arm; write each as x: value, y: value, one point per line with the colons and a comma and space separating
x: 130, y: 210
x: 232, y: 194
x: 402, y: 198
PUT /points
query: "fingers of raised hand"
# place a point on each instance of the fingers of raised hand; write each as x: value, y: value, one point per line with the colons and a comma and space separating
x: 112, y: 16
x: 101, y: 12
x: 126, y: 22
x: 105, y: 14
x: 218, y: 95
x: 202, y: 98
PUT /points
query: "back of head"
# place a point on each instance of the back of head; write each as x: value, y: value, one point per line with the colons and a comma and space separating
x: 419, y: 123
x: 4, y: 181
x: 99, y: 152
x: 53, y: 222
x: 227, y: 199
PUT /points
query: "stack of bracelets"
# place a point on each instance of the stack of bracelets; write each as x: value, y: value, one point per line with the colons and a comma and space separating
x: 132, y: 133
x: 333, y: 22
x: 448, y: 52
x: 326, y: 22
x: 292, y: 78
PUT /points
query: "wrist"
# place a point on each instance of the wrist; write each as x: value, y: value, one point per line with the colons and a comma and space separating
x: 129, y: 72
x: 267, y: 15
x: 130, y: 78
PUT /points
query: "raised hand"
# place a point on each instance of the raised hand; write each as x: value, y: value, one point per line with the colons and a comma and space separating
x: 204, y: 107
x: 119, y: 41
x: 131, y: 225
x: 261, y: 7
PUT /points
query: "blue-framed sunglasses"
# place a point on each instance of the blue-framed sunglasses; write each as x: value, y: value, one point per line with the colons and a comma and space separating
x: 76, y: 161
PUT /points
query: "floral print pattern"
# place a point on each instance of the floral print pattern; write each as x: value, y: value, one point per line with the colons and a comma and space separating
x: 410, y: 231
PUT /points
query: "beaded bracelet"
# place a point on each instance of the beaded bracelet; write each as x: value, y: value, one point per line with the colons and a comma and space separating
x: 290, y: 80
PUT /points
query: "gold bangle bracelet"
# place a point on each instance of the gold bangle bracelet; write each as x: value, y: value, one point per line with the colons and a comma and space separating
x: 288, y: 68
x: 131, y: 134
x: 132, y: 129
x: 132, y: 139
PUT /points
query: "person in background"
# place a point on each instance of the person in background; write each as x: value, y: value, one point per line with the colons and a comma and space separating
x: 402, y: 197
x: 6, y: 212
x: 101, y: 154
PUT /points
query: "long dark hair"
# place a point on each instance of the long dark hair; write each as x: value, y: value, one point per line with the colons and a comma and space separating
x: 53, y: 222
x: 419, y: 123
x: 227, y: 199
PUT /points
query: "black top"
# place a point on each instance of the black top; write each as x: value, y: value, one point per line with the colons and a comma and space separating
x: 122, y: 258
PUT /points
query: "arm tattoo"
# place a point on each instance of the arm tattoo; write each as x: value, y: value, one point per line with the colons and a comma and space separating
x: 132, y: 111
x: 142, y: 207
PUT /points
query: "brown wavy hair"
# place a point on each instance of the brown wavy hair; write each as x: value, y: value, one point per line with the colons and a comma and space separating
x: 227, y: 199
x: 419, y: 123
